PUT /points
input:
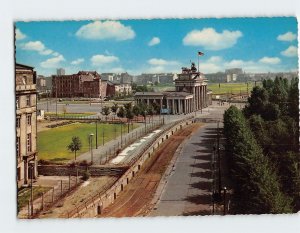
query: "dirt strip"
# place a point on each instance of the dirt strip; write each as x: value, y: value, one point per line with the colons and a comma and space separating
x: 136, y: 199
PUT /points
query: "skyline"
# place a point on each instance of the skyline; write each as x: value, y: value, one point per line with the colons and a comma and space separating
x: 155, y: 46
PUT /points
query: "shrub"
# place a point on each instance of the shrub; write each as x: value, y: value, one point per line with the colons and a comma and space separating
x: 86, y: 175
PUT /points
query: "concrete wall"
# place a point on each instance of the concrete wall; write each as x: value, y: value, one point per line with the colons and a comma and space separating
x: 64, y: 170
x: 95, y: 205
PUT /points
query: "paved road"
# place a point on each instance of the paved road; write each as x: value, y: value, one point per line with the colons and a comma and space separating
x: 189, y: 185
x: 188, y: 189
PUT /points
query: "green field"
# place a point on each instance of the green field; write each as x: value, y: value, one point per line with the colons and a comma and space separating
x: 227, y: 88
x: 52, y: 143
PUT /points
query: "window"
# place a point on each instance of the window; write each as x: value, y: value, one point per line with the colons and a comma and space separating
x: 18, y: 146
x: 29, y: 142
x: 28, y: 117
x: 17, y: 102
x: 28, y: 100
x: 18, y: 122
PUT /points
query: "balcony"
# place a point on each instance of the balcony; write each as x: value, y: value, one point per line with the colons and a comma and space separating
x: 28, y: 87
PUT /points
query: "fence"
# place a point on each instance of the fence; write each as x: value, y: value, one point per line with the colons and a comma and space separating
x: 48, y: 199
x: 95, y: 205
x: 124, y: 141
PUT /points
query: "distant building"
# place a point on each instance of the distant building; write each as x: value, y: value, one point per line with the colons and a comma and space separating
x: 41, y: 84
x: 82, y: 84
x: 26, y: 151
x: 117, y: 89
x: 60, y: 71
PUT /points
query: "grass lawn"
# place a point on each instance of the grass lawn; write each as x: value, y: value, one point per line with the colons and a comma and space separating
x: 234, y: 88
x: 24, y: 195
x: 52, y: 143
x: 70, y: 114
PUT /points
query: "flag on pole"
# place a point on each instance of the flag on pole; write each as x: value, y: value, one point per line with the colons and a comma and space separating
x: 200, y: 53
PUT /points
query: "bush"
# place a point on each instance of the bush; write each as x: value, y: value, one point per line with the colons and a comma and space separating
x: 86, y: 175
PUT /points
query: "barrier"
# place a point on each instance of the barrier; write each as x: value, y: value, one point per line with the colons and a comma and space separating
x: 97, y: 203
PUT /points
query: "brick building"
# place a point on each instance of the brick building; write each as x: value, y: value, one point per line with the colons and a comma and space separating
x: 82, y: 84
x: 26, y: 126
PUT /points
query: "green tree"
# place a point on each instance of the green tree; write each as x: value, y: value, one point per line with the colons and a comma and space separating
x: 256, y: 185
x: 75, y: 145
x: 121, y: 112
x: 128, y: 113
x: 105, y: 111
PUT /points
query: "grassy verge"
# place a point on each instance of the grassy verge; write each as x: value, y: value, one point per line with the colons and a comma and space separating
x: 25, y: 194
x: 52, y: 143
x: 228, y: 88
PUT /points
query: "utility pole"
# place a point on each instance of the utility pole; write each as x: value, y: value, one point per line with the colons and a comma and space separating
x: 97, y: 134
x: 219, y: 159
x: 31, y: 188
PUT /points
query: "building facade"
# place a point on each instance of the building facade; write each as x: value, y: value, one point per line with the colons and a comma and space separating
x: 190, y: 94
x: 83, y: 84
x: 26, y: 126
x: 117, y: 89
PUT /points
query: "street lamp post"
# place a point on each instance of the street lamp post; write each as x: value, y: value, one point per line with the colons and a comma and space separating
x: 219, y: 159
x: 31, y: 187
x: 97, y: 134
x: 224, y: 198
x: 145, y: 121
x: 91, y: 146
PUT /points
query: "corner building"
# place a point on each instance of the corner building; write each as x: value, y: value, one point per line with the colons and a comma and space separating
x: 26, y: 124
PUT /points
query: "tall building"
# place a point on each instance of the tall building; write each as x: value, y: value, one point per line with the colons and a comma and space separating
x: 26, y: 126
x: 83, y: 84
x: 60, y: 71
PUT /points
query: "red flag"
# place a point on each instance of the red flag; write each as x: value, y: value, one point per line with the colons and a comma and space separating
x: 200, y: 53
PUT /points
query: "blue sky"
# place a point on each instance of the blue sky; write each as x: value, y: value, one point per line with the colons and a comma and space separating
x: 146, y: 46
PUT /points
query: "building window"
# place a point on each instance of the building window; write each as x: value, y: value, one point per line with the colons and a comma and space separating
x: 28, y: 119
x: 18, y: 146
x: 17, y: 102
x: 18, y: 122
x: 28, y: 100
x: 29, y: 142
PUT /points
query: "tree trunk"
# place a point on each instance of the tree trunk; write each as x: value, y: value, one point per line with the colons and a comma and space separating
x: 75, y: 155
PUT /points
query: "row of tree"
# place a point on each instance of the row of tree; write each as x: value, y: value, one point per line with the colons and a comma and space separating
x: 263, y: 149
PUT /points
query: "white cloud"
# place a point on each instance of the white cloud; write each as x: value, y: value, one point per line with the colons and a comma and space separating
x: 77, y: 61
x: 270, y: 60
x: 289, y: 36
x: 46, y: 52
x: 99, y: 59
x: 34, y: 46
x: 154, y: 41
x: 39, y: 47
x: 52, y: 62
x: 99, y: 30
x: 291, y: 51
x: 215, y: 59
x: 160, y: 62
x: 212, y: 40
x: 20, y: 35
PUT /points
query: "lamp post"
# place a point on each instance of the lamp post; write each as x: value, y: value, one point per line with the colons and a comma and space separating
x: 145, y: 121
x: 224, y: 198
x: 91, y: 146
x: 31, y: 187
x: 97, y: 134
x: 219, y: 159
